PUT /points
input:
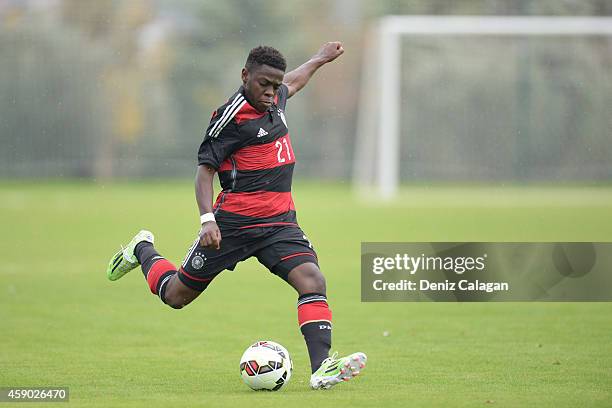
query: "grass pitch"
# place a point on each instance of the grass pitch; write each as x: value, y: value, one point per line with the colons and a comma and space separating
x: 114, y: 344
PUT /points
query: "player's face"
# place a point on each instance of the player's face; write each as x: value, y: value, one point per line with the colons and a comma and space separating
x: 261, y: 84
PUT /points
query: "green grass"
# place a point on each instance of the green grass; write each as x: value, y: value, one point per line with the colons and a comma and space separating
x: 114, y: 344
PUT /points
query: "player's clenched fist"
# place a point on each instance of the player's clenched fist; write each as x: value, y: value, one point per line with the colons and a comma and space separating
x: 210, y: 236
x: 330, y: 51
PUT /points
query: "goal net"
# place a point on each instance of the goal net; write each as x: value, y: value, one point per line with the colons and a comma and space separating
x: 507, y: 99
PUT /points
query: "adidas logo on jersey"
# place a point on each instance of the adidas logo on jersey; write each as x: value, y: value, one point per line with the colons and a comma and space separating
x: 261, y: 132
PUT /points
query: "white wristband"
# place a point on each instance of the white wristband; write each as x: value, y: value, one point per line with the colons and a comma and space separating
x: 207, y: 217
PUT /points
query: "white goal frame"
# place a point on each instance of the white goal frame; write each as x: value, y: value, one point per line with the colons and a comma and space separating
x: 378, y: 120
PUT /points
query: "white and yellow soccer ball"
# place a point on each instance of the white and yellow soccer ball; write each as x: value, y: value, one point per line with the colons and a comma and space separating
x: 266, y: 365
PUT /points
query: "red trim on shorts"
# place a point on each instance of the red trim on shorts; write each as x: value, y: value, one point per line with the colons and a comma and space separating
x: 297, y: 254
x: 268, y: 224
x: 193, y: 277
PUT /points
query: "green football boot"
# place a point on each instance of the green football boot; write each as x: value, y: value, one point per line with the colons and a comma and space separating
x: 125, y: 260
x: 335, y: 370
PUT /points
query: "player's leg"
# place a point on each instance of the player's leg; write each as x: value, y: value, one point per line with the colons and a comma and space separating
x: 307, y: 278
x: 295, y: 261
x: 314, y: 314
x: 315, y: 319
x: 160, y: 274
x: 177, y: 295
x: 163, y: 277
x: 178, y: 288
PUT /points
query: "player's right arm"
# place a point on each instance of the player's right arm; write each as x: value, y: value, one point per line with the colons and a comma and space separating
x: 210, y: 236
x: 221, y: 139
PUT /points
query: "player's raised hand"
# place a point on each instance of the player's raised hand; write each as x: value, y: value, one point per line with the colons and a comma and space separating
x: 210, y: 236
x: 330, y: 51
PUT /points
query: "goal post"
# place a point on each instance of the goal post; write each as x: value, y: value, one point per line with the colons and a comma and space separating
x: 376, y: 160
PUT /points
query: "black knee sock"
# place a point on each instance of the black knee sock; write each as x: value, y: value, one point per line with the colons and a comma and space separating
x: 147, y: 255
x: 314, y: 318
x: 158, y: 279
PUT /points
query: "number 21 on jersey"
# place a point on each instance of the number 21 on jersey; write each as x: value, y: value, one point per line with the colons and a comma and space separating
x: 283, y: 152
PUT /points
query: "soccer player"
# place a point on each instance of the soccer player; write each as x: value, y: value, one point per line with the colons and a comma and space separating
x: 248, y: 144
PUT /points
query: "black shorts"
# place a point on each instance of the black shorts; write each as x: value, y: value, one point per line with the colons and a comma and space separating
x: 279, y: 248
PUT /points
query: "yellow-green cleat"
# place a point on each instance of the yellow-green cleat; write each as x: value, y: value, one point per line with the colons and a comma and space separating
x: 336, y: 370
x: 125, y: 260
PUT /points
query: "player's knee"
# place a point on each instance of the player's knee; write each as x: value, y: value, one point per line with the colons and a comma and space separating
x: 307, y: 278
x: 172, y: 301
x: 316, y: 281
x: 176, y: 307
x: 177, y: 295
x: 176, y: 302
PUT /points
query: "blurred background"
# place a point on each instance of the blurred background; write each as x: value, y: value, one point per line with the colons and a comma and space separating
x: 110, y: 89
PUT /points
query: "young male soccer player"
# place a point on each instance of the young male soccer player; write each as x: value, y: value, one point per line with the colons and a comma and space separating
x: 247, y: 143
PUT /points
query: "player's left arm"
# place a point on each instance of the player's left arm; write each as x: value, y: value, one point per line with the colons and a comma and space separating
x: 299, y: 77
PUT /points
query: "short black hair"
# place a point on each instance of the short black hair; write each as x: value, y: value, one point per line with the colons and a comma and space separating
x: 264, y: 55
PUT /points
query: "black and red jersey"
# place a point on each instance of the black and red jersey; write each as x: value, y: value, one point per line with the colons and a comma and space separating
x: 252, y: 153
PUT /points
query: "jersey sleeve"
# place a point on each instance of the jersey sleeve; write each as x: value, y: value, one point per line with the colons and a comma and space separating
x: 215, y: 149
x: 282, y: 94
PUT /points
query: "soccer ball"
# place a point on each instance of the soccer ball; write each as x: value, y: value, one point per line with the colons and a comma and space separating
x: 266, y: 365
